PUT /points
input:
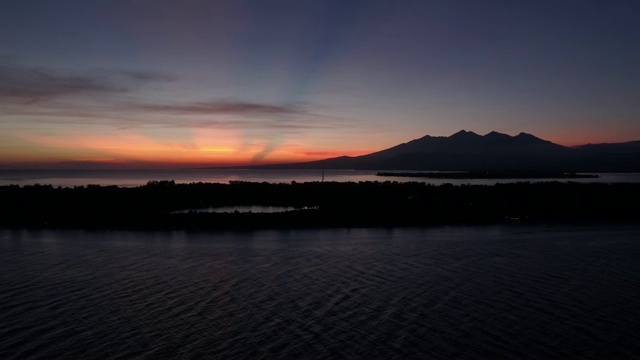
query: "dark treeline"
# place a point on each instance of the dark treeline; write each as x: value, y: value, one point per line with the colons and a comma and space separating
x: 336, y: 204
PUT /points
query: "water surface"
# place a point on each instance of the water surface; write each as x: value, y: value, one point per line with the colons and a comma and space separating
x: 458, y: 292
x: 130, y: 178
x: 242, y: 209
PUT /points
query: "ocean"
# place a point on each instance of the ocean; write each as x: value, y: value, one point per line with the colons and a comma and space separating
x: 495, y: 292
x: 129, y: 178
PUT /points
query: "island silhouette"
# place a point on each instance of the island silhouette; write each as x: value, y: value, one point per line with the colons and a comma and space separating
x: 162, y: 205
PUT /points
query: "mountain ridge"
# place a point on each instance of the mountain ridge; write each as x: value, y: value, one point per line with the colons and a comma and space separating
x: 469, y: 151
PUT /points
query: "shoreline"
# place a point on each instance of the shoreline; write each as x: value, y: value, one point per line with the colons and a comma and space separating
x: 490, y: 175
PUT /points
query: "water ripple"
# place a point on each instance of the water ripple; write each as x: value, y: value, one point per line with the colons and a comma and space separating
x: 468, y: 293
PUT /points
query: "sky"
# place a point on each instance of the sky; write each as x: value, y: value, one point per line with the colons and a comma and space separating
x: 155, y: 83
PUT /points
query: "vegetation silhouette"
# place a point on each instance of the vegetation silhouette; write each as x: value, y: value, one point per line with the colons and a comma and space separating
x: 320, y: 204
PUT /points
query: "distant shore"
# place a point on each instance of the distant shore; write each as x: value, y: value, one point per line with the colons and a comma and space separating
x: 468, y: 175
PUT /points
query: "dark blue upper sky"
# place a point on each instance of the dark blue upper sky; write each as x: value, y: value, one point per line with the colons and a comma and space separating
x: 289, y: 78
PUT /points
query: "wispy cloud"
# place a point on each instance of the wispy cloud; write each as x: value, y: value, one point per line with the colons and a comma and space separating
x: 224, y: 107
x: 147, y: 76
x: 280, y: 119
x: 31, y: 85
x: 28, y: 85
x: 110, y: 97
x: 127, y: 120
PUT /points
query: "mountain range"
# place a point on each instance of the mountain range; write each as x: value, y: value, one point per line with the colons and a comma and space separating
x: 468, y: 151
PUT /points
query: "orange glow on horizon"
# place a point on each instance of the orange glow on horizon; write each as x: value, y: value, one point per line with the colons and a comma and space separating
x: 129, y: 149
x: 194, y: 148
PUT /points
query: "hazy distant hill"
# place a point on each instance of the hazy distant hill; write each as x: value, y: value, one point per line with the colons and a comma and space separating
x: 466, y: 150
x: 617, y: 148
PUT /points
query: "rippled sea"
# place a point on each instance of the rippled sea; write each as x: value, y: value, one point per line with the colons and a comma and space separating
x: 442, y: 293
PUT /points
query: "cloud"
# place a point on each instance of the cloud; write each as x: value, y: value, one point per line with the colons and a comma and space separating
x: 30, y: 85
x: 272, y: 146
x: 280, y: 125
x: 49, y: 96
x: 224, y: 107
x: 148, y: 76
x: 125, y: 120
x: 281, y: 119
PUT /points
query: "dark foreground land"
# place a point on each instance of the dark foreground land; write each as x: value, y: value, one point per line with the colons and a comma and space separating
x: 321, y: 204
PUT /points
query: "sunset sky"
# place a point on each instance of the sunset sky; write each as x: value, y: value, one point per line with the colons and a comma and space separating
x: 188, y: 83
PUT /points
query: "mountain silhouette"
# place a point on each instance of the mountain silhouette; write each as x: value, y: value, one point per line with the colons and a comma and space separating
x: 468, y: 151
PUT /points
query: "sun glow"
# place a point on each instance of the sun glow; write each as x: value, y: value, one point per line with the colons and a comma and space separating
x: 217, y: 149
x: 151, y: 148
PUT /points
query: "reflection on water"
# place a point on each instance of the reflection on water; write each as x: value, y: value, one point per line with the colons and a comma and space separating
x: 460, y: 292
x: 242, y: 209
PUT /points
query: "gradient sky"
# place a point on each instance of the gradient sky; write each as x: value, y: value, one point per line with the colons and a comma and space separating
x: 152, y: 82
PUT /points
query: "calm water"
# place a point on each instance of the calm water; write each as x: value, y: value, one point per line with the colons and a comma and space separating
x: 141, y: 177
x: 476, y: 292
x: 242, y: 209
